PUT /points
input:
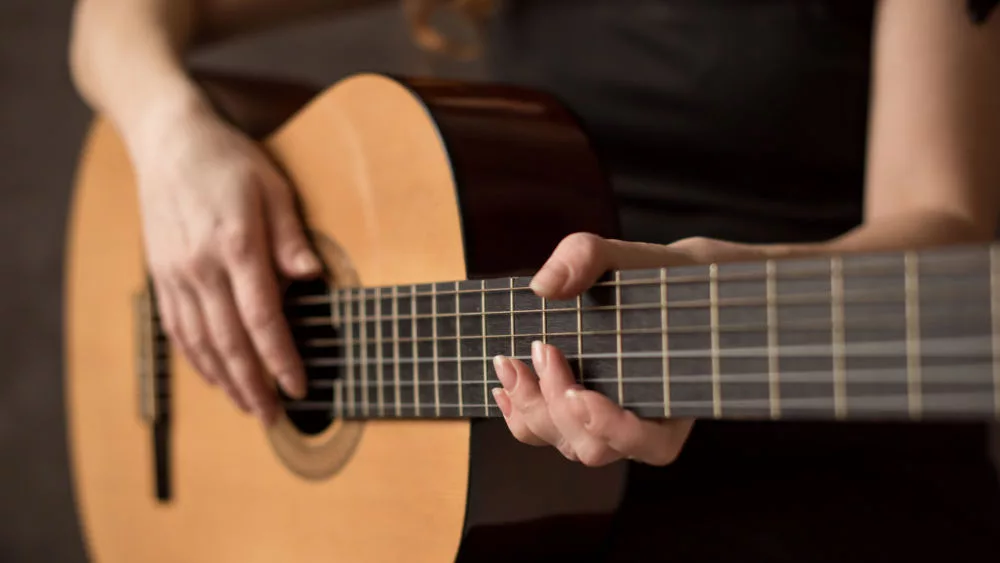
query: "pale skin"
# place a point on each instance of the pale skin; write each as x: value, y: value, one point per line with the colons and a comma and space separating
x: 219, y: 228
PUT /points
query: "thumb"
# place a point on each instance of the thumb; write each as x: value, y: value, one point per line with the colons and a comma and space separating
x: 580, y: 259
x: 292, y: 252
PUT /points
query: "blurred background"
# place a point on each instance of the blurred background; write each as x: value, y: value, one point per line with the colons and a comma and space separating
x: 42, y: 123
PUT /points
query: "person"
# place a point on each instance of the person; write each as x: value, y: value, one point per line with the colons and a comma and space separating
x: 731, y: 129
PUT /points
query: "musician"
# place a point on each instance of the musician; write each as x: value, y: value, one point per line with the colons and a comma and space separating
x: 731, y: 128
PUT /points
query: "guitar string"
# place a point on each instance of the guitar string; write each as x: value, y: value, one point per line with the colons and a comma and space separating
x: 850, y: 272
x: 969, y: 403
x: 818, y: 325
x: 963, y: 374
x: 851, y: 296
x: 859, y: 402
x: 937, y: 347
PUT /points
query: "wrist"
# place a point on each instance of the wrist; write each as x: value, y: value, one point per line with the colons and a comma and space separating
x: 177, y: 107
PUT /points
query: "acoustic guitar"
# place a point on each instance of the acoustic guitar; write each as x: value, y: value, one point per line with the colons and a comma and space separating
x: 431, y: 202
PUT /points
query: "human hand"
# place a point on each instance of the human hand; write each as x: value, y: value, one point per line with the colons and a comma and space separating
x: 550, y: 408
x: 217, y: 216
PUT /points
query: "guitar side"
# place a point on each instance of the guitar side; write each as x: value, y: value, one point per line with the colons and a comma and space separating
x: 433, y: 202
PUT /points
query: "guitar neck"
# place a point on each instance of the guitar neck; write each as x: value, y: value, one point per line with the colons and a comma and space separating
x: 891, y: 335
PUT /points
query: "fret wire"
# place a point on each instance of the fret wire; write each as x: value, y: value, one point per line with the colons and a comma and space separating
x: 364, y: 352
x: 349, y: 332
x: 513, y: 351
x: 334, y: 306
x: 837, y: 336
x: 665, y: 347
x: 713, y: 289
x: 912, y: 290
x: 618, y: 339
x: 774, y: 385
x: 545, y: 339
x: 820, y: 405
x: 948, y: 347
x: 395, y: 349
x: 458, y: 350
x: 434, y: 348
x: 379, y: 370
x: 579, y: 338
x: 338, y: 398
x: 482, y: 329
x: 413, y: 331
x: 995, y: 325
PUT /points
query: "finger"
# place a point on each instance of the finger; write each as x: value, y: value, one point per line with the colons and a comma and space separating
x: 197, y: 346
x: 290, y: 246
x: 529, y: 418
x: 515, y: 423
x: 581, y: 259
x: 560, y: 390
x: 256, y: 292
x: 233, y: 346
x: 653, y: 442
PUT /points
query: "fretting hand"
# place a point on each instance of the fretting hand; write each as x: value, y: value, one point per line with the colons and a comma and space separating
x: 546, y: 407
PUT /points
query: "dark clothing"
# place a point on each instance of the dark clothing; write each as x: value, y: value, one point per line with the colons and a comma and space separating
x: 738, y: 119
x: 746, y: 120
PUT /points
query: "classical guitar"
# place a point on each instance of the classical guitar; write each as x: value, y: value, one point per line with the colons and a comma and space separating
x: 430, y: 202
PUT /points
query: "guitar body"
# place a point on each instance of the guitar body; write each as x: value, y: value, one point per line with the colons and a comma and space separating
x: 400, y: 183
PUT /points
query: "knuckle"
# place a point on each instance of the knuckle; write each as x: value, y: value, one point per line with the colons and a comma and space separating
x: 664, y: 455
x: 202, y: 269
x: 592, y: 457
x: 262, y: 318
x: 522, y: 434
x: 566, y: 449
x: 700, y: 248
x: 585, y: 247
x: 600, y: 425
x: 236, y: 241
x: 230, y: 346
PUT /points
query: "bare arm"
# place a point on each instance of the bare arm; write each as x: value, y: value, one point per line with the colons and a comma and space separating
x: 127, y: 58
x: 933, y: 165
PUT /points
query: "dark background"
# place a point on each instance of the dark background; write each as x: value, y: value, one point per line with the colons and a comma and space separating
x: 42, y: 123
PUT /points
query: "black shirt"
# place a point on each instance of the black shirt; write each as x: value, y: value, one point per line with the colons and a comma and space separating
x: 746, y: 120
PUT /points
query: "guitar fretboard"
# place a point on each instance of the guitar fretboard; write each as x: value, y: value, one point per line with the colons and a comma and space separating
x: 892, y: 335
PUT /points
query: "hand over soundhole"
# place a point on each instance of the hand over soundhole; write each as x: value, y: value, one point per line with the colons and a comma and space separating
x: 317, y: 332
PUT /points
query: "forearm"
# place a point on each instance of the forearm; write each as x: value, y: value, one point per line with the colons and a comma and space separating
x: 127, y: 60
x: 913, y: 230
x: 906, y: 230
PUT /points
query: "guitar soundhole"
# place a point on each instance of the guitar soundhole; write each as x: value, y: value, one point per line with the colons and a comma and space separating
x: 308, y: 310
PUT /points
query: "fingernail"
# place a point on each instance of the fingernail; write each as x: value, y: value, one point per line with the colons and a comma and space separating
x: 306, y: 262
x: 538, y: 355
x: 550, y: 278
x: 578, y: 406
x: 292, y: 386
x: 497, y: 392
x: 505, y: 373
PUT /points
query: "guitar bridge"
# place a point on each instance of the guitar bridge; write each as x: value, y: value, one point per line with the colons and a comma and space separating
x: 153, y: 385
